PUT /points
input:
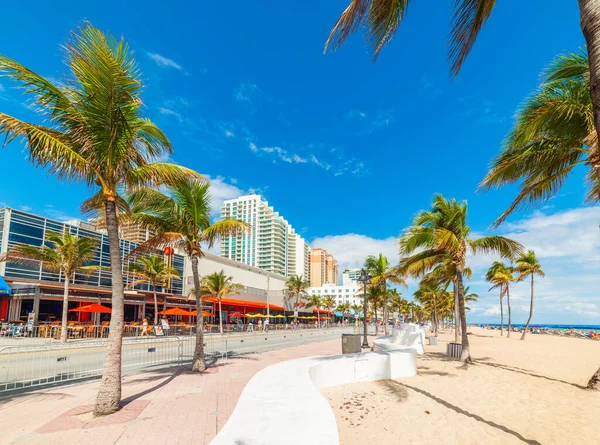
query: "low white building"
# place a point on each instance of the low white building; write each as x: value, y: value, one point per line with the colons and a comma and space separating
x: 343, y: 294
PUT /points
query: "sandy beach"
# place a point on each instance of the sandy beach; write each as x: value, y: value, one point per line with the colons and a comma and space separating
x: 517, y: 391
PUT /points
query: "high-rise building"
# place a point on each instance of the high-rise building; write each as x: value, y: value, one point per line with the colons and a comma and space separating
x: 270, y: 244
x: 298, y: 256
x: 350, y: 277
x: 135, y: 233
x: 323, y: 268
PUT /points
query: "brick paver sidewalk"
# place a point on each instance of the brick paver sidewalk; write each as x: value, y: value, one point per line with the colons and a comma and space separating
x: 168, y: 406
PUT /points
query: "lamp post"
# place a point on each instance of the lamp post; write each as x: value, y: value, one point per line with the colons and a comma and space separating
x: 365, y: 279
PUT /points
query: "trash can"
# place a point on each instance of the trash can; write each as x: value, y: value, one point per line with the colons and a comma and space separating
x: 454, y: 350
x: 351, y: 343
x: 432, y: 340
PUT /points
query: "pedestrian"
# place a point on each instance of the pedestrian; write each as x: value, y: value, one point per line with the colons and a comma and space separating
x: 144, y: 328
x: 259, y: 325
x: 250, y: 327
x: 266, y: 325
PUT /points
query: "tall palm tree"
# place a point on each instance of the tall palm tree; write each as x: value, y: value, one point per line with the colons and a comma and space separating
x: 470, y: 297
x: 180, y: 218
x: 329, y: 304
x: 96, y: 135
x: 428, y: 294
x: 501, y: 275
x: 296, y: 286
x: 381, y: 273
x: 527, y: 264
x: 151, y: 269
x: 394, y: 300
x: 381, y: 20
x: 62, y: 253
x: 218, y: 285
x: 442, y: 236
x: 554, y: 132
x: 490, y: 276
x: 375, y: 299
x: 317, y: 302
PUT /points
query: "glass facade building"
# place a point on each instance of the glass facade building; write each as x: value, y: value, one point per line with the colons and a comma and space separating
x: 17, y: 227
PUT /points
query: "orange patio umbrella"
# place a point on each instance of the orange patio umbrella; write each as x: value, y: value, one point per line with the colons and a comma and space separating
x: 176, y: 311
x: 95, y: 308
x: 204, y: 313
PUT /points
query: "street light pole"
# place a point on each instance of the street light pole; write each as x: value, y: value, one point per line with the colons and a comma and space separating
x: 364, y: 277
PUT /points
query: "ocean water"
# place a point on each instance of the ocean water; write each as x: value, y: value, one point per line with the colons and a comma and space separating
x: 578, y: 327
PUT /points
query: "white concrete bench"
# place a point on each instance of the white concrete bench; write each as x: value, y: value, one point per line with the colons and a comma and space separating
x: 282, y: 403
x: 408, y: 336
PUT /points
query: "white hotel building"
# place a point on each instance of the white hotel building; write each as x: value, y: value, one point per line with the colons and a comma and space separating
x: 348, y: 292
x: 271, y: 244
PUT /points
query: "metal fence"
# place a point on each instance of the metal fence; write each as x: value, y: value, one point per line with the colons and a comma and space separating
x: 23, y: 366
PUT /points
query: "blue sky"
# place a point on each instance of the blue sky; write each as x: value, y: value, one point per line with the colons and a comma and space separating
x: 345, y: 149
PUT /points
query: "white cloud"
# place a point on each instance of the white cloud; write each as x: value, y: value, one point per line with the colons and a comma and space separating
x: 170, y: 112
x: 279, y: 153
x: 221, y: 190
x: 355, y: 114
x: 164, y: 61
x: 26, y: 208
x: 245, y: 91
x: 350, y: 250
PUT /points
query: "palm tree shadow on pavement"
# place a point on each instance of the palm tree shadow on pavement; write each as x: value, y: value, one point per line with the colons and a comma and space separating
x: 400, y: 391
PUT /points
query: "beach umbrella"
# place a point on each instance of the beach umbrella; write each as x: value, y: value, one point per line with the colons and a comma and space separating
x: 94, y: 308
x: 279, y: 316
x: 237, y: 314
x: 176, y: 311
x: 252, y: 315
x: 204, y: 314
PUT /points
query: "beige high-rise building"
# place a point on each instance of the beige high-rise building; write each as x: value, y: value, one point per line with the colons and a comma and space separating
x: 323, y: 268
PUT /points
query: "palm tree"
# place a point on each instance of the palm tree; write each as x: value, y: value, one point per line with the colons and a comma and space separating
x: 428, y: 294
x: 382, y: 19
x: 441, y: 236
x: 470, y: 297
x: 296, y: 287
x: 63, y: 253
x: 218, y: 285
x: 491, y: 277
x: 344, y: 308
x: 96, y: 135
x: 375, y: 299
x: 527, y: 264
x: 395, y: 301
x: 554, y: 132
x: 152, y: 269
x: 381, y: 273
x: 501, y: 276
x: 181, y: 219
x: 329, y: 304
x: 317, y: 302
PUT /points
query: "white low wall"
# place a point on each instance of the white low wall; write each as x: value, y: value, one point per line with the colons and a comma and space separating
x: 408, y: 336
x: 282, y: 404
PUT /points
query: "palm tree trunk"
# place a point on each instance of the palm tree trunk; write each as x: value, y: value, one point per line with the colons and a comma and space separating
x: 318, y: 317
x: 466, y: 352
x: 501, y: 316
x: 385, y: 316
x: 530, y: 311
x: 508, y: 304
x: 435, y: 317
x: 376, y: 320
x: 590, y: 25
x: 109, y: 393
x: 220, y: 318
x: 296, y: 309
x: 594, y: 382
x: 198, y: 363
x: 65, y: 312
x: 456, y: 319
x: 155, y: 306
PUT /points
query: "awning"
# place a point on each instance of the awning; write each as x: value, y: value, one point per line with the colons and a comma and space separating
x: 4, y: 288
x: 321, y: 311
x: 338, y: 314
x: 244, y: 303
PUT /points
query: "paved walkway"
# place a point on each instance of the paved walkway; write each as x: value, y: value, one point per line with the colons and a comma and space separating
x: 169, y: 406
